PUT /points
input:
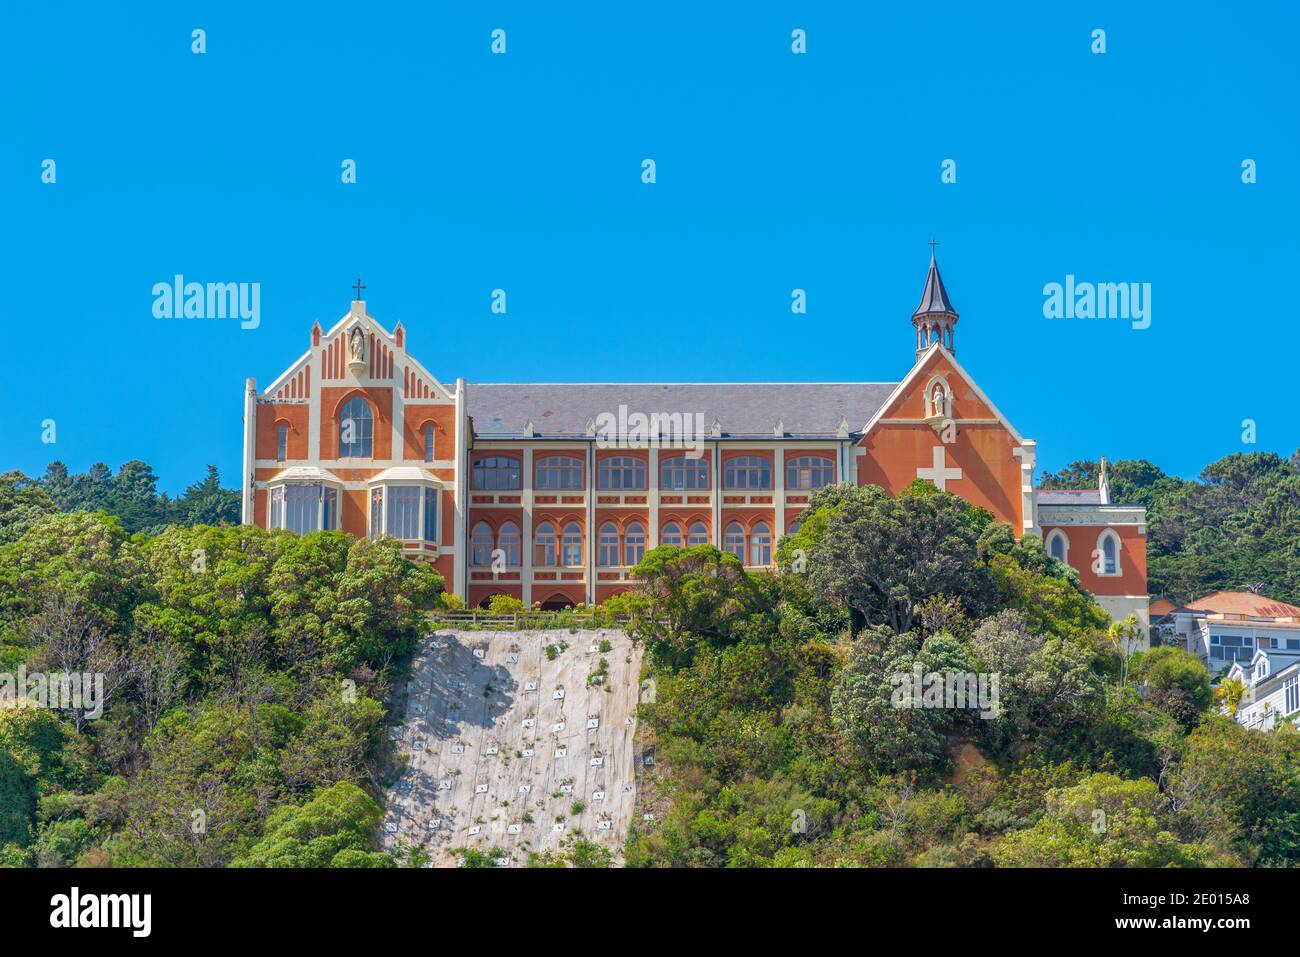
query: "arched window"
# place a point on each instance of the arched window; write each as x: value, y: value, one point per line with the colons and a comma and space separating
x: 682, y: 473
x: 760, y: 545
x: 733, y: 540
x: 480, y: 545
x: 809, y: 472
x: 633, y: 543
x: 571, y: 545
x: 748, y: 472
x: 428, y: 441
x: 508, y: 542
x: 356, y: 430
x: 1058, y: 546
x: 559, y: 472
x: 607, y: 546
x: 496, y: 472
x: 1108, y: 552
x: 281, y: 442
x: 796, y: 524
x: 544, y: 546
x: 622, y: 472
x: 672, y: 534
x: 699, y: 534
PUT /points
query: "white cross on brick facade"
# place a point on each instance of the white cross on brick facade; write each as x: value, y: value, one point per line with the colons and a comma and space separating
x: 938, y: 474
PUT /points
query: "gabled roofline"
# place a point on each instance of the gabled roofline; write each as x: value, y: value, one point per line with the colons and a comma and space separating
x: 916, y: 371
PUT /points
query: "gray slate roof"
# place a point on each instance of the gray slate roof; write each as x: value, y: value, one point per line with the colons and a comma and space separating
x: 741, y: 408
x: 1087, y: 496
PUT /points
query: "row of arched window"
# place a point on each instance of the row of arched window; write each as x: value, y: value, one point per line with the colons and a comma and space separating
x: 1105, y: 556
x: 356, y: 433
x: 628, y: 473
x: 564, y: 547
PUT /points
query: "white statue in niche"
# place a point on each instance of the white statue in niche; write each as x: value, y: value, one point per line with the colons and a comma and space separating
x: 938, y: 400
x: 357, y: 350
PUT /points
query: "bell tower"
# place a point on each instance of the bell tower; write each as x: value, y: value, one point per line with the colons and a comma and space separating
x: 935, y: 317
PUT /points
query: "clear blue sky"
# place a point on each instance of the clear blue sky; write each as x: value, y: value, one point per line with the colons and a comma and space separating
x: 775, y: 171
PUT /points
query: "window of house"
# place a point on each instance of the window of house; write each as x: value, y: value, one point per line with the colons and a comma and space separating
x: 607, y: 545
x: 480, y: 545
x: 430, y: 514
x: 302, y: 508
x: 621, y: 472
x: 544, y: 546
x: 508, y: 542
x: 1109, y: 553
x: 403, y: 512
x: 277, y: 507
x: 682, y: 473
x: 699, y: 534
x: 673, y: 534
x: 559, y: 472
x: 747, y: 472
x: 760, y: 545
x: 376, y: 512
x: 495, y: 473
x: 1056, y: 545
x: 356, y: 430
x: 809, y: 472
x: 733, y: 540
x: 281, y: 442
x: 633, y: 543
x: 571, y: 545
x: 428, y: 441
x: 1292, y: 688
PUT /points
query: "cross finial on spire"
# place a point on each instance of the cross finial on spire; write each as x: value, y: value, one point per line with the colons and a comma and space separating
x: 358, y: 287
x: 933, y: 243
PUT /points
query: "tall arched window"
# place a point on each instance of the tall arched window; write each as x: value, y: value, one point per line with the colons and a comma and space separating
x: 544, y: 546
x: 559, y: 472
x: 672, y: 534
x: 1058, y: 546
x: 428, y: 441
x: 571, y: 545
x: 622, y: 472
x: 356, y: 430
x: 1108, y: 548
x: 733, y: 540
x: 796, y: 524
x: 495, y: 473
x: 809, y: 472
x: 699, y: 534
x: 683, y: 473
x: 508, y: 542
x: 281, y: 442
x: 607, y: 545
x: 760, y: 545
x: 480, y: 545
x: 748, y: 472
x: 633, y: 543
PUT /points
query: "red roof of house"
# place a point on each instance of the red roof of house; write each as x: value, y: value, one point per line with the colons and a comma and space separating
x: 1244, y: 603
x: 1160, y: 607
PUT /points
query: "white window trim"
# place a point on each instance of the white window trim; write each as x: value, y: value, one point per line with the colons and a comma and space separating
x: 320, y: 508
x: 1065, y: 543
x: 383, y: 512
x: 1119, y: 553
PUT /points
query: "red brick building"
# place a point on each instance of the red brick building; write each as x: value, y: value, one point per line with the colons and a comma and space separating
x: 551, y: 492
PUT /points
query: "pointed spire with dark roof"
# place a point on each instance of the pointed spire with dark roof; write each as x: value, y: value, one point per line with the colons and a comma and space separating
x: 934, y: 297
x: 934, y: 317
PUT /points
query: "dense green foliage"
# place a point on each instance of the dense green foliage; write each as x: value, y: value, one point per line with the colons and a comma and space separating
x: 245, y: 672
x: 132, y: 495
x: 780, y: 740
x: 1235, y: 529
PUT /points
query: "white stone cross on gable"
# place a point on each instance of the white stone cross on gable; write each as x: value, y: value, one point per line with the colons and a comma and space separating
x: 938, y: 474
